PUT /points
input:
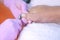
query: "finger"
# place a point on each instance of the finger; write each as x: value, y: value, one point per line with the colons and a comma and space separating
x: 26, y: 18
x: 23, y: 15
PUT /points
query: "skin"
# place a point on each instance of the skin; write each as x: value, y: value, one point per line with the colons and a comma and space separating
x: 44, y: 14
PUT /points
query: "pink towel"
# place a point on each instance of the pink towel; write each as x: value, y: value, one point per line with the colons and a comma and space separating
x: 10, y: 27
x: 16, y: 6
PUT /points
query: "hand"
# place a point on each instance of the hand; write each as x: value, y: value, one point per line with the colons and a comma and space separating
x: 44, y: 14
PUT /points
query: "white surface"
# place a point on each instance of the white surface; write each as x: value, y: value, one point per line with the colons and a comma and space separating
x: 41, y: 31
x: 45, y: 2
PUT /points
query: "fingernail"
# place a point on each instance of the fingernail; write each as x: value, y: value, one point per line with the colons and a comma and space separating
x: 23, y: 15
x: 29, y: 22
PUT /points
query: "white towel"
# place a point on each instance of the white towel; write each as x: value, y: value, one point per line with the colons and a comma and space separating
x: 45, y: 2
x: 40, y: 31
